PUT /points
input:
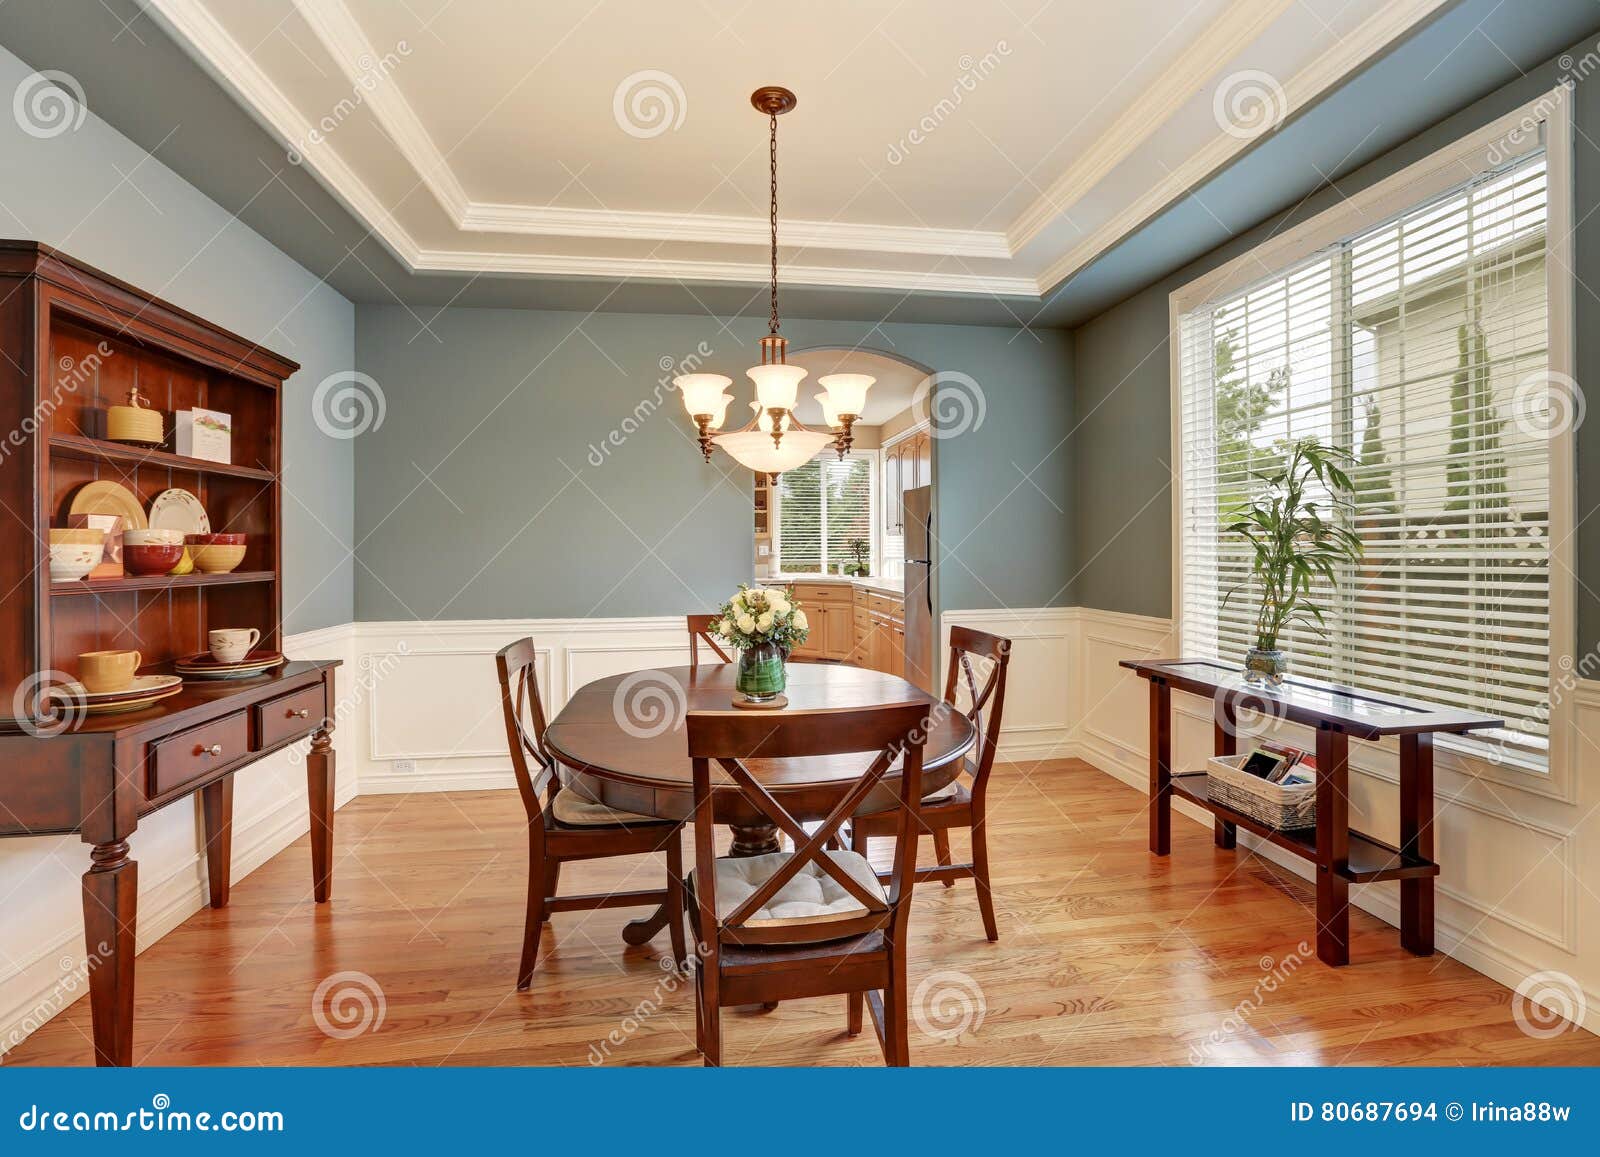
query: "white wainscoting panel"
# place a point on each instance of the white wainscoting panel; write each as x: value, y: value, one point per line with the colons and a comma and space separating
x: 1038, y: 718
x: 434, y: 721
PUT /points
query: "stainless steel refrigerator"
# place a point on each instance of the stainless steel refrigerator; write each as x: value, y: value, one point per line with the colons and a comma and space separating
x: 921, y: 664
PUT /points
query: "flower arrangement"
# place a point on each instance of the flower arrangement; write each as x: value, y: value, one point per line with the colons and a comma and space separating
x: 763, y: 616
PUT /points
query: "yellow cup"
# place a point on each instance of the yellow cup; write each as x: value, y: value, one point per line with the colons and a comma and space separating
x: 102, y: 671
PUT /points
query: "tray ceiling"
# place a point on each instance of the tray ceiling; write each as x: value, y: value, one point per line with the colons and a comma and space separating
x: 938, y: 145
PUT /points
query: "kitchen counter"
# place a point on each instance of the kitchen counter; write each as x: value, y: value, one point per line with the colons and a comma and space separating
x: 893, y: 587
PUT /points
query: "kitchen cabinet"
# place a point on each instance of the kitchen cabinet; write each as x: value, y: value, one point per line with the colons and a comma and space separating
x: 907, y: 464
x: 879, y: 622
x: 829, y: 609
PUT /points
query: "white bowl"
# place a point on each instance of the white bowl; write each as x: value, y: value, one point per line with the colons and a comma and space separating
x: 70, y: 561
x: 152, y: 537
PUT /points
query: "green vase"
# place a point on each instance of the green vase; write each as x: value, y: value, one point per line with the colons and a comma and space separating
x: 761, y: 676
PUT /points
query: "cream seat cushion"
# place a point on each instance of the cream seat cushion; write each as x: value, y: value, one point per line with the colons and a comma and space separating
x: 944, y: 792
x: 576, y: 811
x: 812, y: 895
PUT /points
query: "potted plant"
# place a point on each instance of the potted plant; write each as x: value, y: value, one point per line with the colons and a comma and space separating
x: 765, y: 624
x: 1295, y: 539
x: 861, y: 567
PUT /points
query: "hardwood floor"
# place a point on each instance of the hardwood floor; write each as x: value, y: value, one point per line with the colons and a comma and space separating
x: 1106, y: 956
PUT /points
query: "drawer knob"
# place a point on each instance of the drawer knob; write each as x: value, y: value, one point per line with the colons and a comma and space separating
x: 214, y: 749
x: 303, y: 713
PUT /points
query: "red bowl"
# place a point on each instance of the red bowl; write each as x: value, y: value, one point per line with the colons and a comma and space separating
x: 214, y: 539
x: 151, y: 559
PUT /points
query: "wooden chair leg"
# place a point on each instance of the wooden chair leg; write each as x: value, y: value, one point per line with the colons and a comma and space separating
x: 896, y: 1022
x: 854, y: 1004
x: 980, y: 877
x: 538, y: 877
x: 675, y: 900
x: 941, y: 848
x: 552, y: 884
x: 711, y: 1013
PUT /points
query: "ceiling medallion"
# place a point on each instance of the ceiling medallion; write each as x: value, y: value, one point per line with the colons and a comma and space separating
x: 774, y: 440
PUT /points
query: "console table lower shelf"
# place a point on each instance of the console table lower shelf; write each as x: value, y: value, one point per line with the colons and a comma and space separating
x: 104, y: 773
x: 1342, y: 857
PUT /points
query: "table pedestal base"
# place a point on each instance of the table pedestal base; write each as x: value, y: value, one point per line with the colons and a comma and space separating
x: 754, y: 840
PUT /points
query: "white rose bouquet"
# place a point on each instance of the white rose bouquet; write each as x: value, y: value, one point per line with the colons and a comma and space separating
x: 758, y: 615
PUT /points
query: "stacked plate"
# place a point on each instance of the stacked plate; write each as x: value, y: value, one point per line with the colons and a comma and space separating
x: 205, y: 666
x: 141, y: 693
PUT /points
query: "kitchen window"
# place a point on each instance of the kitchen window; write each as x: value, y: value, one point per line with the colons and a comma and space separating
x: 826, y: 508
x: 1425, y: 345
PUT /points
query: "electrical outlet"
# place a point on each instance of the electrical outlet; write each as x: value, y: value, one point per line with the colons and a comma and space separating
x: 404, y: 766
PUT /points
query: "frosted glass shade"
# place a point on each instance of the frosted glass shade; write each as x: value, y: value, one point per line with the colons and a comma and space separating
x: 702, y: 392
x: 764, y: 420
x: 847, y: 392
x: 719, y: 412
x: 776, y: 386
x: 830, y: 419
x: 754, y: 449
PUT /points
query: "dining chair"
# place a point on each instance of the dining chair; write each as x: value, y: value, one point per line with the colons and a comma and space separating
x: 564, y: 825
x: 813, y: 921
x: 957, y: 805
x: 700, y: 632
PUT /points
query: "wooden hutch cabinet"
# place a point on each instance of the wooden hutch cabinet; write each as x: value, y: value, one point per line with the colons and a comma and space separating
x: 76, y: 341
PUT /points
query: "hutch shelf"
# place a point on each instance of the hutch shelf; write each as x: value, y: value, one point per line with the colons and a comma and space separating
x: 77, y: 341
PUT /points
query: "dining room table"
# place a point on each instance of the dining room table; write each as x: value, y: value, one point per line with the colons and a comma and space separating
x: 621, y: 741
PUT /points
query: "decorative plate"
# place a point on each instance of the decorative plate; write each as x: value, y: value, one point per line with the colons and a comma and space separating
x: 144, y: 689
x: 110, y: 498
x: 178, y: 509
x: 205, y: 665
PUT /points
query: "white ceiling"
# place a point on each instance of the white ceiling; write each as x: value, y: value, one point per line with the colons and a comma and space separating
x: 938, y: 145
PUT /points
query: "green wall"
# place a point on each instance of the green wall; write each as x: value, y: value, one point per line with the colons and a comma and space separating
x: 532, y: 464
x: 1122, y: 447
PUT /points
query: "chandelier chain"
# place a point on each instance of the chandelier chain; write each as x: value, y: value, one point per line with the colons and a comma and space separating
x: 773, y: 323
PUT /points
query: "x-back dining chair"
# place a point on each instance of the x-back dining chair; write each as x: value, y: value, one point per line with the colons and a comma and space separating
x: 958, y: 806
x: 700, y: 633
x: 564, y: 825
x: 814, y: 921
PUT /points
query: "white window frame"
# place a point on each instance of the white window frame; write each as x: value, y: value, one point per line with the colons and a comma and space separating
x: 874, y: 503
x: 1546, y: 123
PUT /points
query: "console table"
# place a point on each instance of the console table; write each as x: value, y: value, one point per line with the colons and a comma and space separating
x: 76, y: 341
x: 1342, y: 857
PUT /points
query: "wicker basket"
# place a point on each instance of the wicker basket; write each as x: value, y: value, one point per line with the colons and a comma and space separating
x: 1281, y: 808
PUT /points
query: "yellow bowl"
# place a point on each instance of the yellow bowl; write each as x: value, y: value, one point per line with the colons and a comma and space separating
x: 185, y: 564
x: 216, y: 559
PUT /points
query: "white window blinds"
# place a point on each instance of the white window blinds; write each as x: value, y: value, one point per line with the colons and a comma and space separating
x: 823, y: 508
x: 1414, y: 346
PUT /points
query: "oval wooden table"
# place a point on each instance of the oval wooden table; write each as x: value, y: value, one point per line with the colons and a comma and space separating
x: 623, y: 740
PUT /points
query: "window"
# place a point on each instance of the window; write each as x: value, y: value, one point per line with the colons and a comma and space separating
x: 824, y: 507
x: 1421, y: 346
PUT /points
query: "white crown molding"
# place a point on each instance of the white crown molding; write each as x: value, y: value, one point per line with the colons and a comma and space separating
x: 724, y: 230
x: 1374, y: 35
x: 749, y: 273
x: 347, y: 45
x: 189, y: 22
x: 1207, y: 54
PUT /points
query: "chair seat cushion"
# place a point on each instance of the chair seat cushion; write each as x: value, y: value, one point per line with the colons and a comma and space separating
x: 812, y: 896
x: 948, y: 791
x: 575, y: 811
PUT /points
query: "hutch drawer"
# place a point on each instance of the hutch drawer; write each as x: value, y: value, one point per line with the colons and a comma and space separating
x: 289, y: 716
x: 188, y: 756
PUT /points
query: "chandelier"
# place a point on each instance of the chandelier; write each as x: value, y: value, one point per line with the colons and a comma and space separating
x: 774, y: 440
